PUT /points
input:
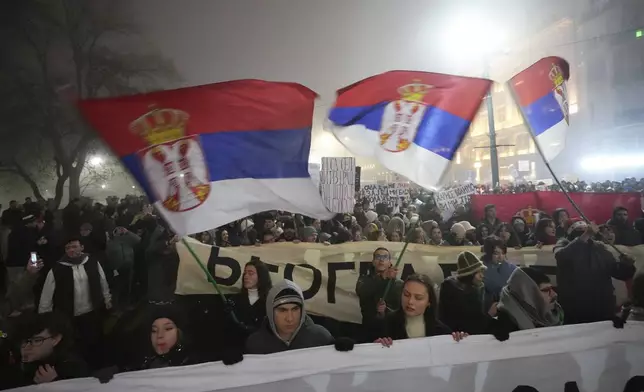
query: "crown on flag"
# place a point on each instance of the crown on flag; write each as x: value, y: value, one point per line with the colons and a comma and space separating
x: 160, y: 125
x: 556, y: 75
x: 414, y: 92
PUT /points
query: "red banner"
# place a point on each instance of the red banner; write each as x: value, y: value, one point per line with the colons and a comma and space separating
x: 598, y: 207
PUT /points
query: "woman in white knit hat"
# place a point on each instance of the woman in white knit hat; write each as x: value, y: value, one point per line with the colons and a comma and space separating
x: 457, y: 236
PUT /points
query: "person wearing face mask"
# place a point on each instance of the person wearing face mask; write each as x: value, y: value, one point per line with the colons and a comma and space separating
x: 528, y: 301
x: 585, y: 269
x: 249, y: 306
x: 371, y: 287
x: 461, y: 297
x: 287, y: 326
x: 46, y: 352
x: 416, y: 317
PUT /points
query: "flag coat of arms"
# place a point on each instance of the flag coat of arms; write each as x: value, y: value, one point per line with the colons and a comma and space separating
x: 412, y: 122
x: 541, y: 93
x: 212, y: 154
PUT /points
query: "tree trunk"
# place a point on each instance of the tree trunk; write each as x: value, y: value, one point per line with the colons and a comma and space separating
x: 74, y: 184
x: 59, y: 189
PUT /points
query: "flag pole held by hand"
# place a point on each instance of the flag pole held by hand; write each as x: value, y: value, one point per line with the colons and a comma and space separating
x: 402, y: 252
x: 211, y: 279
x: 552, y: 173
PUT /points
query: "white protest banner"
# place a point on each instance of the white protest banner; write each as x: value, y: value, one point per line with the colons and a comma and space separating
x: 337, y: 184
x: 448, y: 199
x: 587, y: 357
x: 328, y: 274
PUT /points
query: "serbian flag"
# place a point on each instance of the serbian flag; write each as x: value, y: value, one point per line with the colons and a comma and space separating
x: 540, y: 91
x: 412, y: 122
x: 212, y: 154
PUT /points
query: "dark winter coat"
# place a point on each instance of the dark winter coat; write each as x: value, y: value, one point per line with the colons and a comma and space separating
x: 625, y: 234
x: 178, y: 356
x: 162, y: 261
x: 22, y: 241
x: 393, y: 326
x: 67, y: 366
x: 370, y: 289
x: 460, y: 307
x: 265, y: 341
x: 584, y: 285
x: 250, y: 318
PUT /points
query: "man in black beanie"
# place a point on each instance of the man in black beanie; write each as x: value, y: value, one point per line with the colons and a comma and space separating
x: 287, y: 327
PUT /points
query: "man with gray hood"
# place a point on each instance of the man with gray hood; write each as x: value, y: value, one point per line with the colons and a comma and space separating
x: 286, y: 327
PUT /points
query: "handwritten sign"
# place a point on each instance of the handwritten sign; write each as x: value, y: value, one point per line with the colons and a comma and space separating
x: 337, y: 183
x: 390, y: 194
x: 448, y: 199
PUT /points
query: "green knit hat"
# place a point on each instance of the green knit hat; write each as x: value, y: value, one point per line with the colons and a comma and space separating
x: 468, y: 264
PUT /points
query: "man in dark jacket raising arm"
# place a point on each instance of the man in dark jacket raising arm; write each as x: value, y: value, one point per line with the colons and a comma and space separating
x: 287, y: 327
x: 584, y: 271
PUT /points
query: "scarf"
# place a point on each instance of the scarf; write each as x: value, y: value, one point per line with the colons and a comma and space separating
x: 74, y: 260
x: 253, y: 296
x: 415, y: 326
x: 522, y: 301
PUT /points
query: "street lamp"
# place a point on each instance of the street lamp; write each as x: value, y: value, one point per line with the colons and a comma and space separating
x: 95, y: 160
x: 476, y: 35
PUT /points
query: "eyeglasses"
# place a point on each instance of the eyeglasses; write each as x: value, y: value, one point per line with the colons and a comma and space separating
x: 34, y: 342
x: 381, y: 257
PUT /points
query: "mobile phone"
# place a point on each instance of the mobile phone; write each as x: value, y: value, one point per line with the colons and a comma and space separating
x: 34, y: 258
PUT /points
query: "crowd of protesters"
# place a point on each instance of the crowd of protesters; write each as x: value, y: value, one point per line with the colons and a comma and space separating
x: 89, y: 290
x: 627, y: 185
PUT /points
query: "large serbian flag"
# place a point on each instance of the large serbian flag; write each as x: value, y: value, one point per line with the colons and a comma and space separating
x: 540, y: 91
x: 212, y: 154
x: 412, y: 122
